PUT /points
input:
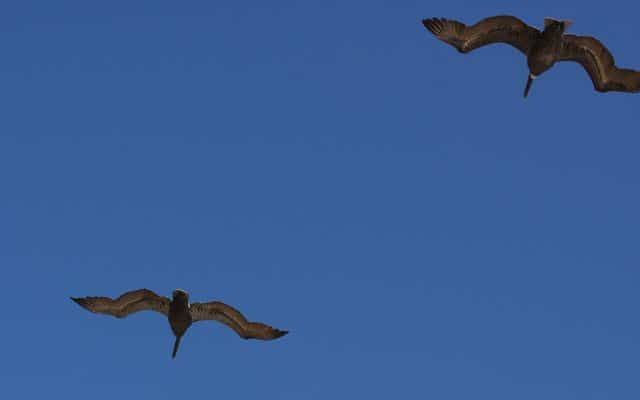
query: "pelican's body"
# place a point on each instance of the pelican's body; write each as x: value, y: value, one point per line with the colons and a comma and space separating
x: 542, y: 48
x: 546, y: 49
x: 179, y: 312
x: 179, y: 316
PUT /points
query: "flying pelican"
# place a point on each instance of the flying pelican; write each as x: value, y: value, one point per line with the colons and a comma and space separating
x: 542, y: 49
x: 180, y: 313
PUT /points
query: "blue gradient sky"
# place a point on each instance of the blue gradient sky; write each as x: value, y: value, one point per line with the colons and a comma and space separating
x: 326, y: 167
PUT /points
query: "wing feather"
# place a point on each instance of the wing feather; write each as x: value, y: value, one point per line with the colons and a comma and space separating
x: 596, y: 59
x: 221, y: 312
x: 498, y: 29
x: 129, y: 303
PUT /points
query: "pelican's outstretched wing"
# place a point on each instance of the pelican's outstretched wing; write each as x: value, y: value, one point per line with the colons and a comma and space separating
x: 499, y: 29
x: 128, y: 303
x: 218, y: 311
x: 599, y: 63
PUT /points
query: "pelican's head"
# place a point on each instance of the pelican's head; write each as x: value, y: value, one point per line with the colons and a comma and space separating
x: 180, y: 294
x: 529, y: 82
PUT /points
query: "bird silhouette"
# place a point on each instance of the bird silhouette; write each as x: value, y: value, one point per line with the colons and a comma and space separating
x: 179, y: 312
x: 542, y: 48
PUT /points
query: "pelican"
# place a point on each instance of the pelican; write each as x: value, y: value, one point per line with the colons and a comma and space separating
x: 179, y: 312
x: 542, y: 49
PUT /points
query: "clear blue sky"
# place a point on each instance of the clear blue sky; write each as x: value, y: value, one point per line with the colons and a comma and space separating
x: 329, y: 168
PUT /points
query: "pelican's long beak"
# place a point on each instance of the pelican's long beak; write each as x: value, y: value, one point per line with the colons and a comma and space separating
x: 529, y: 82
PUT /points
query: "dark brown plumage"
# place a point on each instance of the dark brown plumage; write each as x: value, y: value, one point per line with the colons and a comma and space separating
x: 542, y: 48
x: 599, y: 64
x: 180, y: 313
